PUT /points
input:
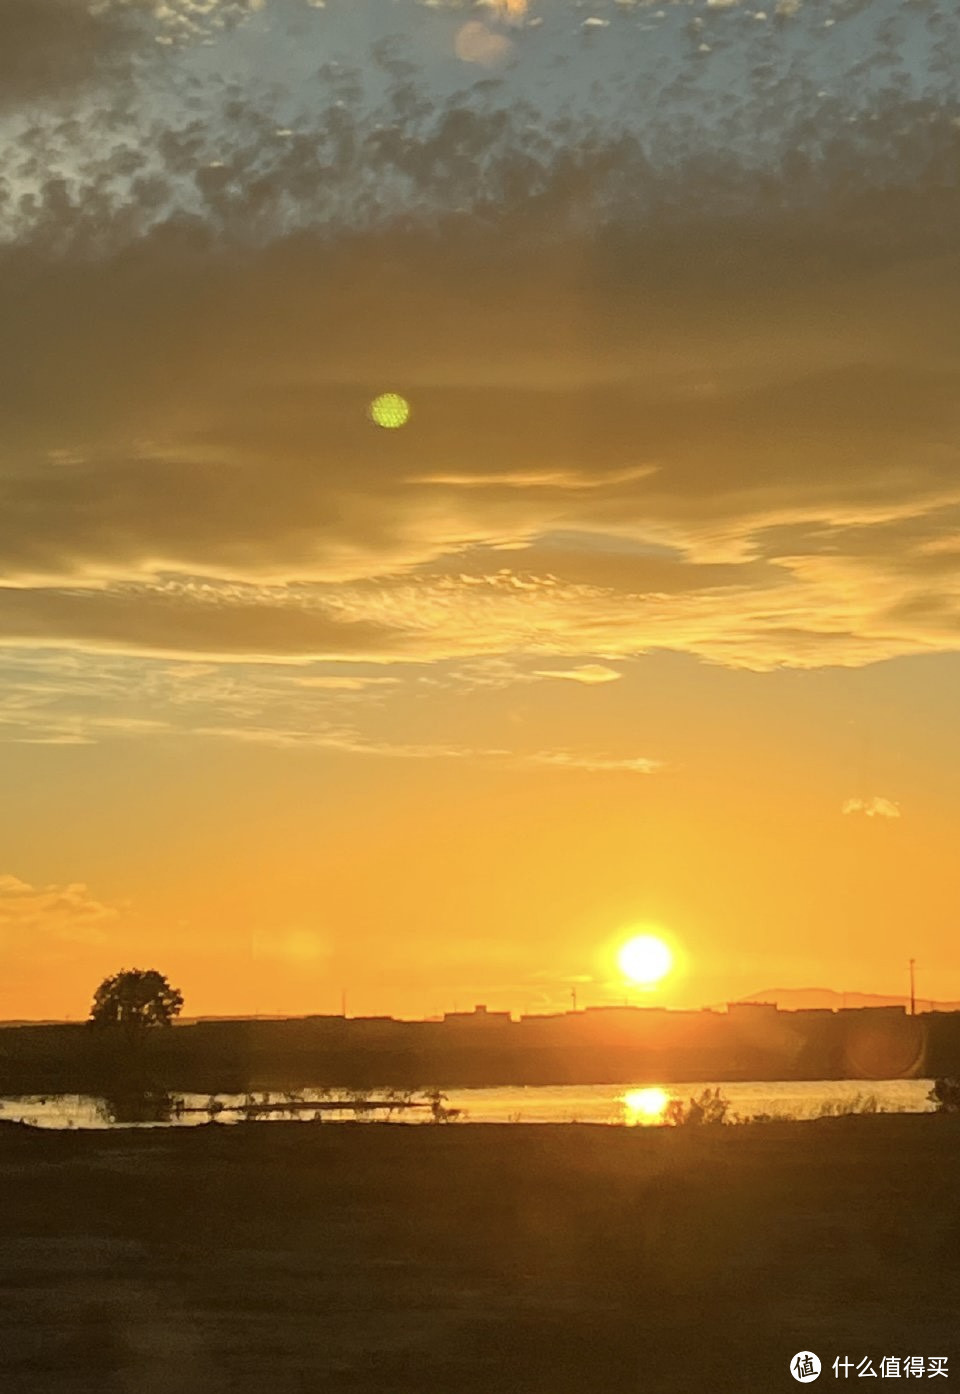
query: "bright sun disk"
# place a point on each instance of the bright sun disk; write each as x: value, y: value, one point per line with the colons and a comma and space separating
x: 646, y: 1103
x: 645, y: 959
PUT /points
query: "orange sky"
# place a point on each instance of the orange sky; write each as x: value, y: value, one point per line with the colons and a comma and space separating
x: 266, y: 879
x: 648, y: 615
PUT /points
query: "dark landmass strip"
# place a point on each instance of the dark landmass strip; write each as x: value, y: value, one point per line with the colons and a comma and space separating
x: 608, y: 1045
x: 394, y: 1259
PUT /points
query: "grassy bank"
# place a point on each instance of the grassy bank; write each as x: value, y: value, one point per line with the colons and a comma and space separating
x: 291, y: 1258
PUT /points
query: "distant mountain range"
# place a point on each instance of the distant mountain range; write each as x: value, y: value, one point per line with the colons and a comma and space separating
x: 791, y: 999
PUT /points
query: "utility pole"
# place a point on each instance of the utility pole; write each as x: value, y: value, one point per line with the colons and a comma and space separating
x: 343, y: 1001
x: 573, y: 996
x: 913, y: 996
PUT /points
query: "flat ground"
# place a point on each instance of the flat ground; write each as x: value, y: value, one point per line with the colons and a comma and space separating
x: 285, y: 1258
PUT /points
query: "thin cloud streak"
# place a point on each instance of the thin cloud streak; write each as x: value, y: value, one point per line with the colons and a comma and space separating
x: 351, y: 742
x: 590, y: 674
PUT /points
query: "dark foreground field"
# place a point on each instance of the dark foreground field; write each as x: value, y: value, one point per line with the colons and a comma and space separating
x: 376, y: 1257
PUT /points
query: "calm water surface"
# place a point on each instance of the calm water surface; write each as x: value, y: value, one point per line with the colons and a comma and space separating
x: 641, y: 1105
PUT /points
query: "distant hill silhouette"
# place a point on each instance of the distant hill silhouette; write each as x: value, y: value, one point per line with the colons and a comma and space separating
x: 791, y: 999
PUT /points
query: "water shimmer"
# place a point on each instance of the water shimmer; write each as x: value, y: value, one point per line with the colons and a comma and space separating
x: 642, y: 1105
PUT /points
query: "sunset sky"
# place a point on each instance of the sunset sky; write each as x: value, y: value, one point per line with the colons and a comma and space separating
x: 649, y: 616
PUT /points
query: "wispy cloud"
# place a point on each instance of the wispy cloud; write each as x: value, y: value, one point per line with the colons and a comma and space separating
x: 575, y: 760
x: 873, y: 808
x: 352, y: 742
x: 340, y: 739
x: 588, y: 673
x: 547, y: 479
x: 38, y: 915
x: 334, y: 683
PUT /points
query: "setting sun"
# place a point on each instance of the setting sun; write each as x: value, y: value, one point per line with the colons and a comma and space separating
x: 645, y: 959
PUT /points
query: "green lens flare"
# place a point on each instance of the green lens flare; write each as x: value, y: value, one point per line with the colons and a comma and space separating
x: 390, y: 410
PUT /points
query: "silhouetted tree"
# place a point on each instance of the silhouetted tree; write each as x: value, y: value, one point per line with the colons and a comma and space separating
x: 134, y: 1000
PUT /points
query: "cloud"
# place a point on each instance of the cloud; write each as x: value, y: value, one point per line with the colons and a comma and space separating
x: 49, y: 48
x: 557, y: 479
x: 328, y: 683
x: 508, y: 9
x: 55, y: 697
x: 41, y: 917
x: 572, y: 760
x: 478, y: 43
x: 588, y: 673
x: 677, y: 385
x: 341, y: 739
x: 351, y: 742
x: 58, y: 698
x: 873, y: 808
x: 215, y: 621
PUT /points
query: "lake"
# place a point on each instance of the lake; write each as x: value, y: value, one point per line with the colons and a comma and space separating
x: 640, y: 1105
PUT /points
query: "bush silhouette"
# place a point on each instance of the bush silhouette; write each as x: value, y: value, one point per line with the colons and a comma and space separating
x: 439, y: 1113
x: 708, y: 1108
x: 946, y: 1095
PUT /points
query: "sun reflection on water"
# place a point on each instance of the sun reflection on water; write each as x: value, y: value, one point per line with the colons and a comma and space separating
x: 645, y: 1106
